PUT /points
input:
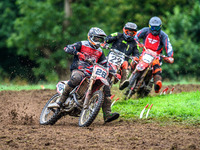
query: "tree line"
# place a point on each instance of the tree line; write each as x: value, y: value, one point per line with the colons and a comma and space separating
x: 34, y: 33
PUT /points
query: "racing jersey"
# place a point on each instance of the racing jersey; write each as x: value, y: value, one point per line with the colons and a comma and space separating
x: 118, y: 42
x: 155, y: 43
x: 89, y: 52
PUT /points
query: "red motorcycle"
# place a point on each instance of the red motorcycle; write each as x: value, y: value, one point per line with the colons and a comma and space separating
x: 141, y: 79
x: 84, y: 101
x: 115, y: 60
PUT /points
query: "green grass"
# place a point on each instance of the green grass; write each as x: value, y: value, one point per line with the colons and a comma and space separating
x: 14, y: 87
x: 182, y: 107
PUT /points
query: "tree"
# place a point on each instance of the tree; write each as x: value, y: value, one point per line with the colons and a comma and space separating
x: 184, y: 29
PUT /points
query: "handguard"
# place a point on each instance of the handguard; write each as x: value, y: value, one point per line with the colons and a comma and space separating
x: 169, y: 60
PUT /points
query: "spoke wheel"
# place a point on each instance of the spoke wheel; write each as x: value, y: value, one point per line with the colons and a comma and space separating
x: 88, y: 115
x: 49, y: 116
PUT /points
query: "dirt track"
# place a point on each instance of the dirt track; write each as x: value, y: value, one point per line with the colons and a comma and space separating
x: 20, y: 129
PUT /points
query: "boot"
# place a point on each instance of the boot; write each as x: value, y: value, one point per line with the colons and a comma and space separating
x: 124, y: 81
x: 157, y: 83
x: 63, y: 97
x: 106, y: 107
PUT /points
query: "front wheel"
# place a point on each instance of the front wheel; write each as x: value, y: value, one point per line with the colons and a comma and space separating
x: 88, y: 115
x: 132, y: 84
x: 50, y: 116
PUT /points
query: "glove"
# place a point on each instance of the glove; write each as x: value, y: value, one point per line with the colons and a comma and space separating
x: 105, y: 45
x: 169, y: 60
x: 81, y: 56
x: 135, y: 59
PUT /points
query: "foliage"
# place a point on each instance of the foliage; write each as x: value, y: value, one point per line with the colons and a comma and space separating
x: 184, y: 30
x: 33, y: 33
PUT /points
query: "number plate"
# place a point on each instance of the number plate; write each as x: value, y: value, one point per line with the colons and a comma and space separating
x: 100, y: 72
x: 147, y: 58
x: 115, y: 59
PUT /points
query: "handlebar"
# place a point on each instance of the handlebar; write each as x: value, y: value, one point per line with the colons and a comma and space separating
x: 120, y: 53
x: 161, y: 55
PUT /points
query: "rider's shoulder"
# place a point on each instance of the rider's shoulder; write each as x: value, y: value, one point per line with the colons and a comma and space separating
x: 162, y: 33
x: 145, y: 29
x: 115, y: 34
x: 85, y: 43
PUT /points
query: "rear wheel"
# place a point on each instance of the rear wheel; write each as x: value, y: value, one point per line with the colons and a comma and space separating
x: 88, y: 115
x: 50, y: 116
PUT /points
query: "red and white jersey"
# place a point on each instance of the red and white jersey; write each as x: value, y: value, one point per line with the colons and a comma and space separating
x: 89, y: 52
x: 155, y: 43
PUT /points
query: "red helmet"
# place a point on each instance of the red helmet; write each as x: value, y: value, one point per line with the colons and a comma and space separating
x: 96, y: 37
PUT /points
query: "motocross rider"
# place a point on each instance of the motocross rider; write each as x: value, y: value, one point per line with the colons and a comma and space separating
x: 155, y: 39
x: 125, y: 43
x: 84, y: 50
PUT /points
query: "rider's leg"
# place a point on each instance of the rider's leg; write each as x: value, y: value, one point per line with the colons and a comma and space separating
x: 157, y: 76
x: 124, y: 75
x: 76, y: 78
x: 106, y: 107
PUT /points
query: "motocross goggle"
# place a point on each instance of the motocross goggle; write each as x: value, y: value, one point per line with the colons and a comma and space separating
x: 154, y: 28
x: 98, y: 39
x: 130, y: 32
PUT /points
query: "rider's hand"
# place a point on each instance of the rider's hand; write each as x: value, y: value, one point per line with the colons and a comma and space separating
x: 81, y: 56
x: 135, y: 59
x: 169, y: 60
x: 105, y: 45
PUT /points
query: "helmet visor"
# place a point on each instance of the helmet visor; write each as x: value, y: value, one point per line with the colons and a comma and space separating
x: 130, y: 32
x: 154, y: 28
x: 98, y: 39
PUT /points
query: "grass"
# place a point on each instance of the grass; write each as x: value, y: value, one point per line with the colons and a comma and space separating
x: 182, y: 107
x: 14, y: 87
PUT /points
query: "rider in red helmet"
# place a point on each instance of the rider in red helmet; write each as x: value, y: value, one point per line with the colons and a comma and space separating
x: 155, y: 39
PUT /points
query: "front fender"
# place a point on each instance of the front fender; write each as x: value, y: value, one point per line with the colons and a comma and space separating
x: 141, y: 66
x: 103, y: 80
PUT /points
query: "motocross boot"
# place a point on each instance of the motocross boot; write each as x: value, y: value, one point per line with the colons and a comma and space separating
x: 157, y: 83
x: 63, y: 97
x: 124, y: 81
x: 106, y: 107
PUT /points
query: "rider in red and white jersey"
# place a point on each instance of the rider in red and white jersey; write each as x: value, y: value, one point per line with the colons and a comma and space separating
x: 155, y: 39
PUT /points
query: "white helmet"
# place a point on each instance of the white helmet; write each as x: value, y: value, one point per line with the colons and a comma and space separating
x: 96, y: 37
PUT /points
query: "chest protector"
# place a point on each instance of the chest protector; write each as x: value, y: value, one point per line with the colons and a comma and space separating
x: 152, y: 42
x: 90, y: 52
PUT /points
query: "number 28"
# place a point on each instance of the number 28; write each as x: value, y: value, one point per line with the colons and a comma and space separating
x: 101, y: 73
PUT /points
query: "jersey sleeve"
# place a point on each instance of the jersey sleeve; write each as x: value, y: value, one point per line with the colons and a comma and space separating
x: 73, y: 49
x: 141, y: 34
x: 167, y: 45
x: 112, y: 37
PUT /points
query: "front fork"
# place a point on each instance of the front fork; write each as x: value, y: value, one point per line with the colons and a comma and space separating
x: 142, y: 79
x: 88, y: 94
